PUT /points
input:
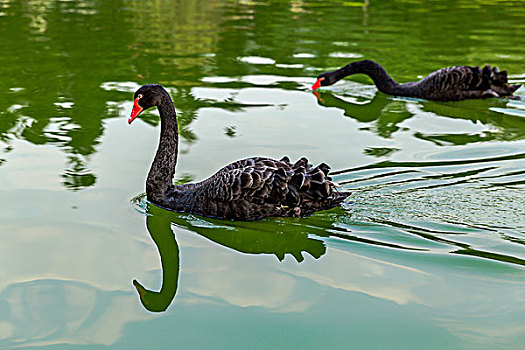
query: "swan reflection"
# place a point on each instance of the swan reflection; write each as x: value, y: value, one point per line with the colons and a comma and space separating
x: 269, y: 237
x: 159, y: 228
x: 385, y: 114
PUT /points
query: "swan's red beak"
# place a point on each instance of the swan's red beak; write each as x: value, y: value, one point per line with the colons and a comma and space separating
x: 317, y: 84
x: 135, y: 111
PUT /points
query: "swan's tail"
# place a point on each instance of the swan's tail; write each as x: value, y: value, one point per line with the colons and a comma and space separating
x: 311, y: 189
x: 259, y: 187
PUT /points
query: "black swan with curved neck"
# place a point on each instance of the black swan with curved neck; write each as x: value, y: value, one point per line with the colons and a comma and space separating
x: 248, y: 189
x: 447, y: 84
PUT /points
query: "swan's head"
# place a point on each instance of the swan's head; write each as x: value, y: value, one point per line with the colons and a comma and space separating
x: 324, y: 79
x: 154, y: 301
x: 146, y: 97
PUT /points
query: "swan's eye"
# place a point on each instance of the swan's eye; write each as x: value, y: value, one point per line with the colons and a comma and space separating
x: 139, y: 96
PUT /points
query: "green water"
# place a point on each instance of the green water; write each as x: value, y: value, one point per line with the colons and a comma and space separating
x: 428, y: 253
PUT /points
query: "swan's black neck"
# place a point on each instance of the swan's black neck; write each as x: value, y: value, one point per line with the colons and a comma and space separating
x: 160, y: 176
x: 374, y: 70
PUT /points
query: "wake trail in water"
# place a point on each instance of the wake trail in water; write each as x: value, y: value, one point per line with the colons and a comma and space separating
x: 473, y: 206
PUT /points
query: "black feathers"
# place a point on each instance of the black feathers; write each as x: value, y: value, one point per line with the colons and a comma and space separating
x: 465, y: 82
x: 248, y: 189
x: 257, y: 187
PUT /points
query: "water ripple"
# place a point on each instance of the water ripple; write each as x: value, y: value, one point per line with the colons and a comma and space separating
x: 472, y: 206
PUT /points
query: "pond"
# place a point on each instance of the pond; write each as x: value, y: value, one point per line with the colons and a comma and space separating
x: 427, y: 252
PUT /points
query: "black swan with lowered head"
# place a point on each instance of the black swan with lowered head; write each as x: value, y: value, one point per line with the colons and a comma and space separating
x: 248, y: 189
x: 447, y: 84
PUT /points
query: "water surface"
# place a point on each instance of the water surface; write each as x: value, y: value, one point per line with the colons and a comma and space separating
x: 428, y: 252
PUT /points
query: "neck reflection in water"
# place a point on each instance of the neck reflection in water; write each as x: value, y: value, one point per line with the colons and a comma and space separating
x: 244, y: 237
x: 159, y: 228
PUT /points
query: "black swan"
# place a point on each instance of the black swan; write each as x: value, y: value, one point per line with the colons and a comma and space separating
x: 447, y: 84
x: 248, y: 189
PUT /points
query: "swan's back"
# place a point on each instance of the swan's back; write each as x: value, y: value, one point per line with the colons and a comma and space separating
x: 464, y: 82
x: 257, y: 187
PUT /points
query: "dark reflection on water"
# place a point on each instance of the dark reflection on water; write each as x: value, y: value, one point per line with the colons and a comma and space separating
x: 387, y: 112
x: 159, y: 228
x: 241, y: 237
